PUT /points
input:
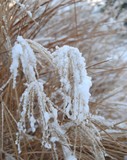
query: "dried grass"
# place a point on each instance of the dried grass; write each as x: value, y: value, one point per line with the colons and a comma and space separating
x: 107, y: 91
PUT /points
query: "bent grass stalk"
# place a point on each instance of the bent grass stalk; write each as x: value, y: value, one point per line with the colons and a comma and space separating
x: 75, y: 84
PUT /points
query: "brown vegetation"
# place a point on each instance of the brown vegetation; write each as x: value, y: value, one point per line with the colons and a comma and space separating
x: 51, y: 26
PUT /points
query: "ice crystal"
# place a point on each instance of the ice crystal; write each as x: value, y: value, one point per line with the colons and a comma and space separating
x: 74, y: 90
x: 74, y: 81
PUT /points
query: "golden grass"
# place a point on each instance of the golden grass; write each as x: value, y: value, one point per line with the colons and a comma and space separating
x: 53, y: 25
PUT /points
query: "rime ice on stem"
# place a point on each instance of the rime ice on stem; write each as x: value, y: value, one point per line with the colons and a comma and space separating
x: 23, y: 52
x: 75, y: 86
x: 75, y: 83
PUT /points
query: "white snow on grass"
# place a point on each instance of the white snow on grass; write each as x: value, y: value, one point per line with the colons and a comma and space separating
x: 75, y: 85
x: 74, y: 81
x: 22, y: 52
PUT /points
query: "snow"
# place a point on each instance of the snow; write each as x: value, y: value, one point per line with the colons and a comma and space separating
x: 54, y: 139
x: 16, y: 53
x: 34, y: 87
x: 29, y: 14
x: 69, y: 61
x: 68, y: 155
x: 23, y: 52
x: 32, y: 123
x: 75, y: 83
x: 46, y: 116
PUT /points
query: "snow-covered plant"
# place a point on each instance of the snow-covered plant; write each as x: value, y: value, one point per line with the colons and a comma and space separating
x: 38, y: 110
x: 23, y: 7
x: 75, y: 83
x: 23, y: 52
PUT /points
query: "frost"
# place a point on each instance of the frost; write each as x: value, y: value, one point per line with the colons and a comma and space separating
x: 32, y: 123
x: 103, y: 121
x: 74, y: 90
x: 46, y: 116
x: 16, y: 53
x: 29, y: 14
x: 23, y: 52
x: 47, y: 145
x: 23, y: 7
x: 75, y: 83
x: 54, y: 139
x: 68, y: 155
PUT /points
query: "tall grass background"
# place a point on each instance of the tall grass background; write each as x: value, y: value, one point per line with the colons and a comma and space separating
x: 56, y: 24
